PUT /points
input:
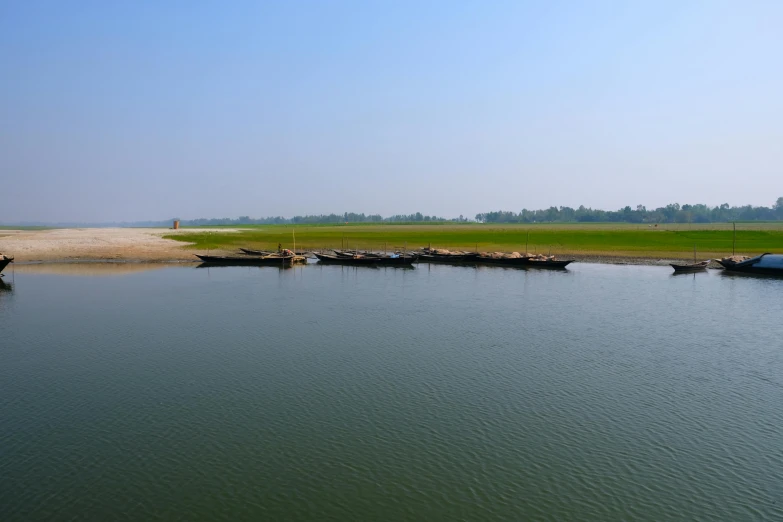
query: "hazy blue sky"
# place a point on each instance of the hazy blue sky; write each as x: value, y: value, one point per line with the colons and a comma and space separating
x: 146, y: 110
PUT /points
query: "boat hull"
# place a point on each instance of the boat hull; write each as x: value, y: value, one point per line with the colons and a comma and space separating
x: 698, y: 267
x: 358, y: 261
x: 396, y: 261
x: 523, y: 262
x: 246, y: 261
x: 448, y: 258
x: 549, y: 264
x: 5, y: 262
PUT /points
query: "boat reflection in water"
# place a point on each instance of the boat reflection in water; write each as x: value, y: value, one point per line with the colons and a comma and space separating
x: 278, y: 266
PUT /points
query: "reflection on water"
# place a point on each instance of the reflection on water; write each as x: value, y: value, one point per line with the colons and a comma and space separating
x: 5, y: 286
x: 249, y: 265
x: 90, y: 269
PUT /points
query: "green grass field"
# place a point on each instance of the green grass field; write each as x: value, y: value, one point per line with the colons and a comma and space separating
x: 617, y: 239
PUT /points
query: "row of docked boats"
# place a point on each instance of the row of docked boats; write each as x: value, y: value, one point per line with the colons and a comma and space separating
x: 762, y: 264
x: 249, y: 257
x: 766, y: 264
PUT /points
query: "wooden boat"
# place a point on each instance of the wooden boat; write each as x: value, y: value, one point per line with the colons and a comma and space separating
x: 464, y: 257
x: 504, y: 261
x: 348, y: 260
x: 770, y: 264
x: 690, y: 267
x: 271, y: 260
x: 5, y: 261
x: 524, y: 261
x: 547, y: 263
x: 348, y: 254
x: 397, y: 260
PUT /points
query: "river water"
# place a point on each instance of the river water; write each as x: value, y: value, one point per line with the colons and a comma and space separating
x: 327, y: 393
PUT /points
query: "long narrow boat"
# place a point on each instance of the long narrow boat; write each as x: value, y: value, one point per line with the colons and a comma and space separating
x: 355, y: 260
x: 273, y: 260
x: 524, y: 261
x: 397, y: 260
x: 4, y: 261
x: 770, y: 264
x: 690, y: 267
x: 448, y: 258
x: 547, y: 263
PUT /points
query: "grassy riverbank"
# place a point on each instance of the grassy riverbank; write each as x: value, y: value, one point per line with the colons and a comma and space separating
x: 615, y: 240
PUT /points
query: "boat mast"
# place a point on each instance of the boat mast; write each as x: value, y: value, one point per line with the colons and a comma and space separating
x: 734, y: 239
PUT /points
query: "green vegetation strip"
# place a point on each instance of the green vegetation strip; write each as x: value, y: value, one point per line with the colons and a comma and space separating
x: 676, y: 241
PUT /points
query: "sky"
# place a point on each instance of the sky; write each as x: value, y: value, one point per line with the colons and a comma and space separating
x: 124, y: 111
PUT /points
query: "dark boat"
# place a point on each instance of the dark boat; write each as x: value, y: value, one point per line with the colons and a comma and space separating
x: 462, y: 257
x: 348, y: 260
x: 397, y: 260
x: 344, y: 254
x: 690, y: 267
x: 272, y: 260
x: 770, y: 264
x: 4, y: 261
x: 524, y: 261
x: 504, y: 261
x: 547, y: 263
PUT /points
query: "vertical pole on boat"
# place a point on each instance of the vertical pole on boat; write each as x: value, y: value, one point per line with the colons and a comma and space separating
x: 734, y: 239
x: 527, y: 240
x: 694, y: 252
x: 405, y: 252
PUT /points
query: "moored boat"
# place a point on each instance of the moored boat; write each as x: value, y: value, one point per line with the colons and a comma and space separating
x: 435, y: 256
x: 770, y: 264
x: 5, y: 261
x: 526, y: 260
x: 348, y: 260
x: 690, y: 267
x: 397, y: 260
x: 270, y: 260
x: 547, y: 263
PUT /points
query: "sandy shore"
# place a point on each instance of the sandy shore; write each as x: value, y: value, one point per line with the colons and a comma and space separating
x: 73, y: 245
x: 90, y: 244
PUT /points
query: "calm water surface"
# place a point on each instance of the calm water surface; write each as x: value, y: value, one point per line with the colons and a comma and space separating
x: 355, y: 394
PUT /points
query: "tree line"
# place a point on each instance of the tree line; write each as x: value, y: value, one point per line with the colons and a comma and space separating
x: 672, y: 213
x: 319, y: 219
